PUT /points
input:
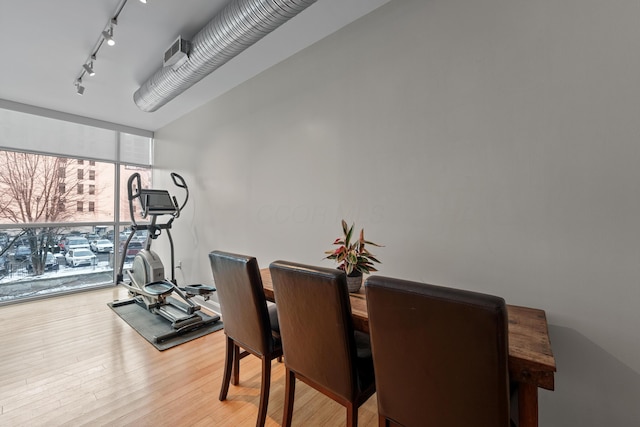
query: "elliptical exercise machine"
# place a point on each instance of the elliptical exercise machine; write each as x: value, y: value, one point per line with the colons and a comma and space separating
x: 147, y: 284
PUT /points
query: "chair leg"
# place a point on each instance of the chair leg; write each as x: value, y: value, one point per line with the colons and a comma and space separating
x: 289, y: 394
x: 264, y: 391
x: 352, y: 415
x: 236, y: 364
x: 382, y: 421
x: 228, y: 363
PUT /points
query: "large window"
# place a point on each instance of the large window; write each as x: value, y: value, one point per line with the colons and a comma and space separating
x: 50, y: 200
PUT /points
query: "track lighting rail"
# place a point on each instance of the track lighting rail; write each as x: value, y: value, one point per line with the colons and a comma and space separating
x: 106, y: 35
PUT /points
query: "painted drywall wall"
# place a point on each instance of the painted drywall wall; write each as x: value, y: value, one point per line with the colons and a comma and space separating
x: 488, y: 144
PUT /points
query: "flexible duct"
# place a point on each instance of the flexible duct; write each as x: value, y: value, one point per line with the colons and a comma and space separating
x: 239, y: 25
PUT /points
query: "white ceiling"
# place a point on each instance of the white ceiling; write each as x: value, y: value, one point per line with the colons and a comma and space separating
x: 43, y: 44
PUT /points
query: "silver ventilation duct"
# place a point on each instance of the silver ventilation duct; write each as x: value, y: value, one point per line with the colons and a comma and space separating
x: 239, y: 25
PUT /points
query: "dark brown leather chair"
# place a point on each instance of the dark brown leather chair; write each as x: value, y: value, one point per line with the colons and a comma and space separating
x: 248, y: 322
x: 319, y: 343
x: 440, y: 355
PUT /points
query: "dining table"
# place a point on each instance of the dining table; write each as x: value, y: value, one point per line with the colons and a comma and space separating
x: 531, y: 361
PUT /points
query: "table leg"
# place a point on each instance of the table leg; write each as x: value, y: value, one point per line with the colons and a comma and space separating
x: 528, y: 405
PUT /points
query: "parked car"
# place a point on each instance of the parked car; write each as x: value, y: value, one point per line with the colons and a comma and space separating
x: 91, y: 237
x: 111, y: 235
x: 132, y: 250
x: 80, y: 256
x: 122, y: 236
x: 61, y: 243
x: 101, y: 245
x: 75, y: 243
x: 50, y: 264
x: 4, y: 265
x: 21, y: 241
x: 4, y: 239
x: 139, y: 239
x: 22, y: 253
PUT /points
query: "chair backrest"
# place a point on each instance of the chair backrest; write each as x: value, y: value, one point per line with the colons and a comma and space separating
x: 242, y: 301
x: 439, y: 354
x: 315, y: 325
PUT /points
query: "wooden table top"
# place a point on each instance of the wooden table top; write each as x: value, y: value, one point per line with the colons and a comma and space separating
x: 530, y: 356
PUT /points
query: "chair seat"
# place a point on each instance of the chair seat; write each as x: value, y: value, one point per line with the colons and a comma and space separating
x: 364, y: 361
x: 363, y: 345
x: 273, y: 316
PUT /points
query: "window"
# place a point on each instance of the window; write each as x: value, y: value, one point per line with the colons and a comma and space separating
x: 57, y: 195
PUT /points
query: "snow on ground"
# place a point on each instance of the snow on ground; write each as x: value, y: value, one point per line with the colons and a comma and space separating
x: 21, y: 284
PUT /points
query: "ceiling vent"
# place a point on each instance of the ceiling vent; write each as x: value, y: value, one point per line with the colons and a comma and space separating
x: 239, y: 25
x: 177, y: 54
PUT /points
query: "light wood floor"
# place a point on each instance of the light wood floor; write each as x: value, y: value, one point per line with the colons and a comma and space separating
x: 71, y: 361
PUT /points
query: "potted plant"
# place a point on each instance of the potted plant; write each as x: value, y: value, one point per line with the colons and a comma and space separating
x: 352, y: 256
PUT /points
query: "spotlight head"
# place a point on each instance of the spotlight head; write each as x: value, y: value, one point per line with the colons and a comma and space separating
x: 89, y: 69
x: 108, y: 36
x: 79, y: 87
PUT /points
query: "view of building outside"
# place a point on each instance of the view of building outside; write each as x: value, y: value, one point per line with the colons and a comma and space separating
x: 59, y: 230
x: 38, y: 188
x: 145, y: 178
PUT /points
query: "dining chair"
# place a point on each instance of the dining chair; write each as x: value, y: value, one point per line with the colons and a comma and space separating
x: 249, y: 323
x: 440, y: 354
x: 318, y: 340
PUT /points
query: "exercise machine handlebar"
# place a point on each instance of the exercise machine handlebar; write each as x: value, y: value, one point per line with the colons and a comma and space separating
x: 135, y: 191
x: 179, y: 182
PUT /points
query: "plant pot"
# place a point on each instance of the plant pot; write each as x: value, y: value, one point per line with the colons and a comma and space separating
x: 354, y: 281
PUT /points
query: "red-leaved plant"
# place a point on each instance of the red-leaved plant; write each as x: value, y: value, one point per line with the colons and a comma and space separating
x: 352, y: 255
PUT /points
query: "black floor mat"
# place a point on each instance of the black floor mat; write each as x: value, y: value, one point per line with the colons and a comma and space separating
x: 152, y: 326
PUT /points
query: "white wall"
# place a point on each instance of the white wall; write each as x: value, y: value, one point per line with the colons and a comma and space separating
x: 490, y: 145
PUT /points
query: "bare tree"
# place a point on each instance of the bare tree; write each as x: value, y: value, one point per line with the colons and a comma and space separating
x: 37, y: 189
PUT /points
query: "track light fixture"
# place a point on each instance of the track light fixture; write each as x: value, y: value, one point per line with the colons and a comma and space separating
x: 79, y: 87
x: 89, y: 67
x: 108, y: 36
x: 105, y: 36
